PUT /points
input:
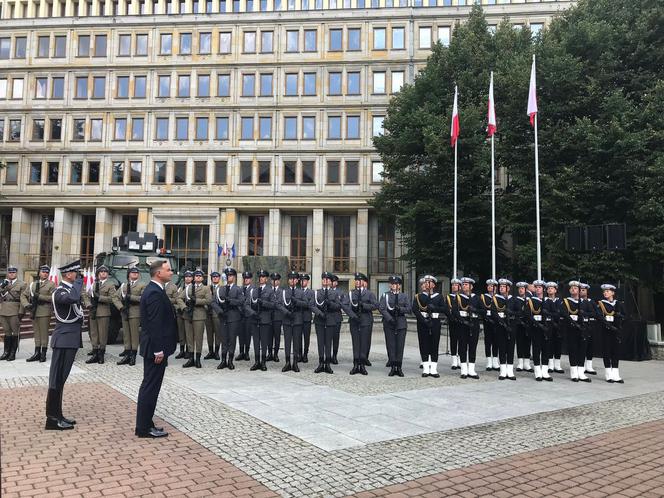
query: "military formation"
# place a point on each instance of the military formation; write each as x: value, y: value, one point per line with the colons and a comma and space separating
x: 523, y: 331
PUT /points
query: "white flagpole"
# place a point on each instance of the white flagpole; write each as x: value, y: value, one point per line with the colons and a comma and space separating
x: 454, y: 270
x: 537, y: 207
x: 493, y: 212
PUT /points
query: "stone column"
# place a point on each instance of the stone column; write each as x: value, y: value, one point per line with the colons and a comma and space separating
x: 362, y: 241
x: 274, y: 233
x: 143, y: 222
x: 317, y: 247
x: 229, y: 233
x: 103, y: 230
x: 19, y: 243
x: 62, y: 236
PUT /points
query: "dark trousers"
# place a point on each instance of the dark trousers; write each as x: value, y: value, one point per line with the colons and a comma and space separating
x: 306, y: 337
x: 245, y: 332
x: 212, y: 332
x: 576, y: 345
x: 361, y: 337
x: 229, y: 333
x: 61, y: 363
x: 335, y: 339
x: 490, y: 342
x: 153, y: 375
x: 292, y: 336
x: 540, y: 343
x: 395, y: 340
x: 275, y: 337
x: 468, y: 336
x: 505, y: 339
x: 610, y: 348
x: 556, y: 342
x: 522, y: 342
x: 261, y: 336
x: 453, y: 330
x: 590, y: 335
x: 324, y: 335
x: 428, y: 338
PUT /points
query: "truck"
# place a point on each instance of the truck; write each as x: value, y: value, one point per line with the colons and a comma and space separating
x: 131, y: 249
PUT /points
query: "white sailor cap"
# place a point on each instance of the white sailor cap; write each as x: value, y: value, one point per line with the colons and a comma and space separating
x: 522, y: 284
x: 574, y: 283
x: 467, y: 280
x: 491, y: 281
x: 584, y: 285
x: 504, y: 281
x: 421, y: 280
x: 540, y: 283
x: 551, y: 284
x: 608, y: 287
x: 431, y: 278
x: 455, y: 281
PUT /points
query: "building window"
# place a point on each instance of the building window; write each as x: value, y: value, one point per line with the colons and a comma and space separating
x: 120, y: 132
x: 425, y: 37
x: 37, y: 130
x: 298, y: 246
x: 310, y: 37
x: 223, y: 85
x: 52, y: 173
x: 20, y: 45
x: 353, y: 83
x: 267, y: 38
x: 248, y: 85
x: 83, y: 45
x: 14, y: 130
x: 137, y: 127
x: 398, y: 39
x: 205, y: 43
x: 354, y: 39
x: 159, y: 176
x: 129, y: 222
x: 17, y: 88
x: 334, y: 128
x: 377, y: 125
x: 35, y: 173
x: 87, y: 239
x: 397, y: 81
x: 41, y: 88
x: 333, y: 176
x: 379, y: 42
x: 122, y: 90
x: 379, y: 82
x: 189, y: 245
x: 224, y: 43
x: 58, y: 88
x: 291, y: 84
x: 266, y: 85
x: 220, y: 172
x: 96, y: 129
x: 93, y: 173
x: 184, y: 82
x: 11, y: 174
x: 117, y: 172
x: 166, y: 44
x: 444, y: 35
x: 185, y: 43
x: 141, y: 45
x: 56, y: 129
x: 200, y: 172
x: 352, y: 127
x: 309, y: 83
x: 376, y: 172
x: 98, y: 87
x: 255, y: 236
x: 201, y: 128
x: 290, y: 170
x: 100, y: 46
x: 334, y: 84
x: 46, y: 240
x: 386, y: 244
x: 182, y: 128
x: 124, y: 45
x: 290, y: 128
x: 336, y: 40
x: 308, y: 172
x: 247, y: 124
x: 535, y: 29
x: 43, y: 43
x: 60, y: 47
x: 221, y: 128
x: 292, y: 41
x: 341, y: 243
x: 249, y: 45
x: 265, y: 128
x: 180, y: 172
x: 264, y: 173
x: 164, y: 86
x: 352, y: 173
x: 140, y: 86
x: 246, y: 172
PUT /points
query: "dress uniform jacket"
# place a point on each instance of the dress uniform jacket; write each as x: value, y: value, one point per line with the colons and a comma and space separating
x: 105, y: 291
x: 325, y: 304
x: 400, y: 305
x: 260, y: 302
x: 10, y: 298
x: 41, y: 290
x: 203, y: 300
x: 67, y: 304
x: 233, y: 295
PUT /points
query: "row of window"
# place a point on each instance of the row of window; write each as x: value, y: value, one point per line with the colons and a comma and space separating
x: 293, y: 172
x: 346, y: 126
x: 254, y: 84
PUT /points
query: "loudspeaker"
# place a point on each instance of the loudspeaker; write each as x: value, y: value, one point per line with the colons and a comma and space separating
x: 595, y: 238
x: 574, y: 239
x: 616, y: 237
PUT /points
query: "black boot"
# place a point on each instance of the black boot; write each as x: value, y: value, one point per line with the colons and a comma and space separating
x: 287, y: 366
x: 100, y: 356
x: 263, y: 365
x: 126, y: 359
x: 240, y: 355
x: 210, y: 355
x: 362, y: 369
x: 269, y: 356
x: 399, y: 371
x: 223, y: 363
x: 275, y: 358
x: 54, y: 419
x: 231, y: 366
x: 94, y: 358
x: 295, y: 367
x: 132, y: 359
x: 8, y: 347
x: 367, y: 362
x: 198, y: 360
x: 123, y: 354
x: 42, y: 355
x: 190, y: 360
x: 328, y: 369
x: 35, y: 356
x: 12, y: 352
x: 92, y: 352
x: 393, y: 371
x: 305, y: 357
x: 355, y: 369
x: 181, y: 354
x: 216, y: 352
x: 321, y: 367
x: 59, y: 408
x: 388, y: 364
x: 334, y: 360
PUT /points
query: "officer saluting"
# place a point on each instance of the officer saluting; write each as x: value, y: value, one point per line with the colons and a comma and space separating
x: 394, y: 307
x: 66, y: 340
x: 37, y: 300
x: 612, y: 315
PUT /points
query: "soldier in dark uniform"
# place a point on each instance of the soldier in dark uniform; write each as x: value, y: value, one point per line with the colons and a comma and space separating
x: 11, y: 312
x: 538, y: 332
x: 590, y: 314
x: 180, y: 309
x: 500, y: 315
x: 66, y: 340
x: 520, y: 328
x: 362, y: 302
x: 274, y: 342
x: 230, y: 299
x: 453, y: 324
x: 551, y: 314
x: 36, y: 300
x: 244, y: 337
x: 292, y: 303
x: 428, y: 337
x: 259, y: 304
x: 394, y: 306
x: 307, y: 295
x: 612, y: 316
x: 212, y: 324
x: 437, y: 307
x: 339, y: 320
x: 468, y: 309
x: 490, y: 341
x: 571, y: 319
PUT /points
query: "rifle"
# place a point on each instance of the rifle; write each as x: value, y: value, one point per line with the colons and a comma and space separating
x: 95, y: 301
x: 190, y: 302
x: 126, y: 302
x: 34, y: 300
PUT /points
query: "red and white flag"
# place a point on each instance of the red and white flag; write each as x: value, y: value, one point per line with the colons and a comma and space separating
x: 491, y: 128
x: 454, y: 131
x: 532, y: 96
x: 53, y: 275
x: 85, y: 278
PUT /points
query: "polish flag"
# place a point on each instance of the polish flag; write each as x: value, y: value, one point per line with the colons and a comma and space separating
x: 91, y: 279
x: 532, y: 96
x: 53, y: 275
x: 454, y: 131
x: 85, y: 278
x: 491, y: 128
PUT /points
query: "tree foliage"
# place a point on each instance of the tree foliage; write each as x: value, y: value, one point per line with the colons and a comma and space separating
x: 601, y: 135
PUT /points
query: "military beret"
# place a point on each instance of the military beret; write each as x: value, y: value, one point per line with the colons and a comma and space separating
x: 540, y: 283
x: 73, y: 266
x: 504, y: 281
x: 306, y: 276
x: 188, y: 273
x: 467, y: 280
x: 263, y: 273
x: 326, y: 274
x: 293, y: 274
x: 361, y: 276
x: 522, y: 284
x: 230, y: 271
x: 608, y: 287
x: 552, y: 284
x: 275, y: 276
x: 133, y: 269
x: 45, y: 268
x: 198, y: 273
x: 247, y: 274
x: 455, y: 281
x: 395, y: 279
x: 492, y: 281
x: 99, y: 270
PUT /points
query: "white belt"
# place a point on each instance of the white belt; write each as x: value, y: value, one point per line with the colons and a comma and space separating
x: 425, y: 315
x: 574, y: 317
x: 488, y: 312
x: 501, y: 314
x: 537, y: 318
x: 609, y: 318
x: 463, y: 314
x: 435, y: 315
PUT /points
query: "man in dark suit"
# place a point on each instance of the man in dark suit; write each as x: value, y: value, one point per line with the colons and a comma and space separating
x: 158, y: 340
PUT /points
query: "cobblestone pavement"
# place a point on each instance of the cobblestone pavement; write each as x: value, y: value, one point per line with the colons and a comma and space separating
x: 290, y: 466
x: 621, y: 463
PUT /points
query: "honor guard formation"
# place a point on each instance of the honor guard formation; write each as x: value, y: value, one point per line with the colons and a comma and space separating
x: 533, y: 321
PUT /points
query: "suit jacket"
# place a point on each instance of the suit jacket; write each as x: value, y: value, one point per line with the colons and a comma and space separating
x: 10, y: 298
x: 67, y: 301
x: 400, y: 307
x: 42, y: 291
x: 159, y: 328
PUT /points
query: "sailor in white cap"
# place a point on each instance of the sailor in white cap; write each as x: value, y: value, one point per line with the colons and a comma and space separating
x: 576, y: 343
x: 612, y: 317
x: 538, y: 331
x: 490, y: 341
x: 554, y: 334
x: 520, y: 327
x: 589, y: 315
x: 452, y: 323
